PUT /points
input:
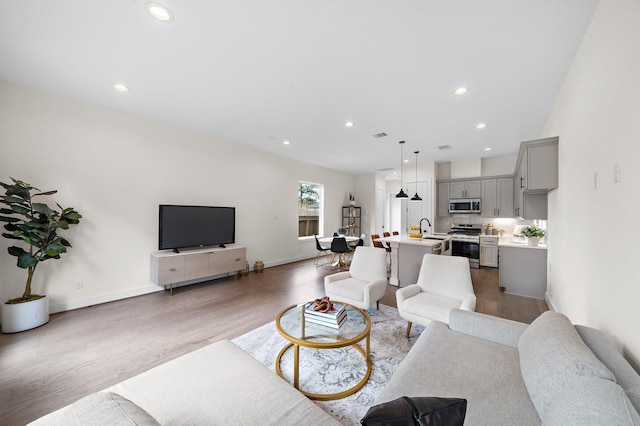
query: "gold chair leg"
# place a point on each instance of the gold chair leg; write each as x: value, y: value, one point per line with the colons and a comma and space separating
x: 408, y: 329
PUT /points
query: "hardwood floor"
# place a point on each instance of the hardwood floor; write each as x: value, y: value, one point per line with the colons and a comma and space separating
x: 86, y: 350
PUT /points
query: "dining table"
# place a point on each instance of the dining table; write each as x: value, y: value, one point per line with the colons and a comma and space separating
x: 340, y: 261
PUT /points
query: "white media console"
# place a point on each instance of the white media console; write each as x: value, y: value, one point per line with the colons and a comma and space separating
x: 169, y: 268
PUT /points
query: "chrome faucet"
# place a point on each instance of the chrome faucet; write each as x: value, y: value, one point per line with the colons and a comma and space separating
x: 424, y: 218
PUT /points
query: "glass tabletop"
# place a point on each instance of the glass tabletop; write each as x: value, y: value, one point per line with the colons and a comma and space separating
x: 292, y: 325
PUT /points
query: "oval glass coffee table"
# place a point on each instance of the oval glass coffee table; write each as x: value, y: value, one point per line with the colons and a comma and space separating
x: 291, y: 324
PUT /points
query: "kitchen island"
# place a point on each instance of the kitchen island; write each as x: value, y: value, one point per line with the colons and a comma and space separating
x: 522, y: 268
x: 407, y: 254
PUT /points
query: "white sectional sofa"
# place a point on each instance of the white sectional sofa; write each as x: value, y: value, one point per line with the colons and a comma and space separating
x: 549, y: 372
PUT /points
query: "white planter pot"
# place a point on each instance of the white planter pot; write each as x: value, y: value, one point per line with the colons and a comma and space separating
x: 533, y: 241
x: 25, y: 316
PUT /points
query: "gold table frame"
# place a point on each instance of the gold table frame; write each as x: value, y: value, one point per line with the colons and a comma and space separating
x: 337, y: 342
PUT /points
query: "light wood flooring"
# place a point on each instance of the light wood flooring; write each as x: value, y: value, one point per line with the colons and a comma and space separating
x: 86, y: 350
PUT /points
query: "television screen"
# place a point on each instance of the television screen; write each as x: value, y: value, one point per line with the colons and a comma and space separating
x: 196, y: 226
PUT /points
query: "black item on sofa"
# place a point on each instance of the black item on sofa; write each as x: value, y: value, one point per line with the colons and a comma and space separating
x: 417, y: 411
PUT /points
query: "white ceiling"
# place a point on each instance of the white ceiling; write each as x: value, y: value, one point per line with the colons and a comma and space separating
x: 259, y: 72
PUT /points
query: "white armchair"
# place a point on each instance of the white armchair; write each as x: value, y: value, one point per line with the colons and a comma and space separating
x: 444, y: 283
x: 364, y: 283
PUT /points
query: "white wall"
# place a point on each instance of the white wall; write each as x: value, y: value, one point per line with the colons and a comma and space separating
x: 593, y: 250
x: 496, y: 166
x: 116, y: 168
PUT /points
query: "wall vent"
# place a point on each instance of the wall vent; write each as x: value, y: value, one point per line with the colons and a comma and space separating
x: 444, y: 147
x: 380, y: 135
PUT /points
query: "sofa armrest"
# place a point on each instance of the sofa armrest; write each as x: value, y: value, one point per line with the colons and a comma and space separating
x: 404, y: 293
x: 487, y: 327
x: 469, y: 302
x: 337, y: 276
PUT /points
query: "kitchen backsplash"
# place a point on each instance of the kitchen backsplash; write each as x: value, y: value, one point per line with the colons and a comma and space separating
x: 443, y: 224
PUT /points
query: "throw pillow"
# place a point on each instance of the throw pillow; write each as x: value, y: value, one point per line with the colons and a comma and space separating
x: 418, y: 411
x: 106, y: 408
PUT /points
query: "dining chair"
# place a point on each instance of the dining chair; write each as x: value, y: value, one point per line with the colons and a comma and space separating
x: 339, y: 248
x: 323, y: 251
x: 396, y: 233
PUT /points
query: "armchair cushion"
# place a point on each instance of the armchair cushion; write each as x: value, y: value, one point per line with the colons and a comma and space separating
x: 430, y: 306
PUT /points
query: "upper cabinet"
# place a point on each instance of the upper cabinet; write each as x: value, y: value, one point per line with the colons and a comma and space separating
x: 497, y: 197
x: 465, y: 189
x: 537, y: 166
x: 536, y: 174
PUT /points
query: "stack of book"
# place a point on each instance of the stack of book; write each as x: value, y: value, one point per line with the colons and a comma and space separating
x: 334, y: 318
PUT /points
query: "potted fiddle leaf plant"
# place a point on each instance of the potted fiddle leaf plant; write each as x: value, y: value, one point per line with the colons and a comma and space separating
x: 37, y: 225
x: 533, y: 234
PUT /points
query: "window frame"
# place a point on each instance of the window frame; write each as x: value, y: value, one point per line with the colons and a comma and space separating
x: 320, y: 193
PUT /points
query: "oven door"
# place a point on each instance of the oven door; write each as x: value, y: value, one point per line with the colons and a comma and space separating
x: 467, y: 249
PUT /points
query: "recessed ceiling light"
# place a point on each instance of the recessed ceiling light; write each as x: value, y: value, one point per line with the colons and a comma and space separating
x: 285, y: 142
x: 460, y: 91
x: 481, y: 126
x: 160, y: 12
x: 349, y: 124
x: 488, y: 148
x: 406, y: 161
x: 121, y: 88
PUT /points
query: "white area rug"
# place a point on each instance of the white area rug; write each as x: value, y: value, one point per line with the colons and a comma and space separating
x: 334, y: 370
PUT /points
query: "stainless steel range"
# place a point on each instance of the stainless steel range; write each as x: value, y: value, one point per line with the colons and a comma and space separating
x: 466, y: 242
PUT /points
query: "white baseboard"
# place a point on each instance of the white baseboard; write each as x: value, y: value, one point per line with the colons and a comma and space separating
x: 152, y: 288
x: 103, y: 298
x: 549, y: 302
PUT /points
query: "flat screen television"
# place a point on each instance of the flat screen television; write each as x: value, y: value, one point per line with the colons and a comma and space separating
x: 196, y: 226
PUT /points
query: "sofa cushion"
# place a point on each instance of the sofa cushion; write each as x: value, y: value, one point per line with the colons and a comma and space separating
x: 106, y: 408
x: 551, y: 356
x: 405, y: 411
x: 591, y: 401
x: 445, y: 363
x: 602, y: 348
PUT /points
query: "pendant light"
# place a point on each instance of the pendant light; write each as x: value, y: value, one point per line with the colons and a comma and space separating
x: 401, y: 194
x: 416, y: 197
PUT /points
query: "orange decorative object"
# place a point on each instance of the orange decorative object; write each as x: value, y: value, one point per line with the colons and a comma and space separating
x: 322, y: 305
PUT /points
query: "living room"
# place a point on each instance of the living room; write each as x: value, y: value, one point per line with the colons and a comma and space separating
x: 115, y: 168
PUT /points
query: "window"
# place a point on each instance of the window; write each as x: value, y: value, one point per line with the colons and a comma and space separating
x: 310, y: 201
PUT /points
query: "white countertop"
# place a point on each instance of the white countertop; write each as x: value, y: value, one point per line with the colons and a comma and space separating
x: 404, y: 239
x: 511, y: 241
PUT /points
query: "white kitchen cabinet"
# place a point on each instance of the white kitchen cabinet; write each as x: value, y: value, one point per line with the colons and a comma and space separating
x: 497, y: 197
x: 168, y: 268
x: 489, y: 251
x: 523, y: 270
x: 465, y: 189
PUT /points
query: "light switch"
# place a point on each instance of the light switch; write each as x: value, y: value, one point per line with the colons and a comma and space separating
x: 596, y: 181
x: 616, y: 173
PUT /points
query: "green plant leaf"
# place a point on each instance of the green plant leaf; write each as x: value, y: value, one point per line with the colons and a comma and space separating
x: 9, y: 219
x: 64, y: 242
x: 42, y: 209
x: 26, y: 261
x: 46, y: 193
x: 16, y: 251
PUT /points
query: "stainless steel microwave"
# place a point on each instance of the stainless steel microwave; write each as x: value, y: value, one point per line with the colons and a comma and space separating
x: 467, y: 205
